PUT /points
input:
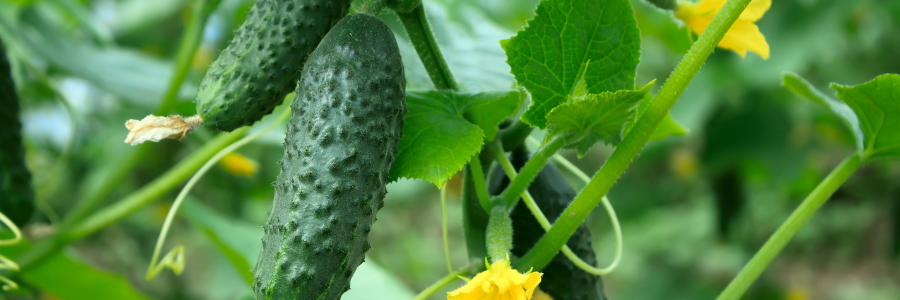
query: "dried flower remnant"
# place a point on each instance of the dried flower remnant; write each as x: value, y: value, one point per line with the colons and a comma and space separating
x: 154, y: 128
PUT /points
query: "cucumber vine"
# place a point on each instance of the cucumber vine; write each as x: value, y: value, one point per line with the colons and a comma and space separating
x: 355, y: 128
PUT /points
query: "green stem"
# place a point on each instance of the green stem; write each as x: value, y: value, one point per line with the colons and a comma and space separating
x: 132, y: 202
x: 190, y: 41
x: 480, y: 185
x: 446, y: 280
x: 790, y: 227
x: 513, y: 136
x: 474, y: 218
x: 420, y: 35
x: 511, y: 194
x: 444, y: 227
x: 628, y: 149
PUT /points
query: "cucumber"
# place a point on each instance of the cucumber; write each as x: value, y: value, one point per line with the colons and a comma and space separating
x: 16, y: 194
x: 562, y: 280
x: 263, y: 61
x: 340, y: 145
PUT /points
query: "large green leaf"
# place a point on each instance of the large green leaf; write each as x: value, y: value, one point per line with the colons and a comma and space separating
x: 877, y: 105
x: 556, y: 46
x: 444, y: 129
x: 595, y: 117
x: 803, y: 88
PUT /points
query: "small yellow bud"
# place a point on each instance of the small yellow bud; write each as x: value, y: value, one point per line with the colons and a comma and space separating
x: 238, y: 165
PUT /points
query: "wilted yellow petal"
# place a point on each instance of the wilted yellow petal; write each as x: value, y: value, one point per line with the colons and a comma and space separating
x: 153, y: 128
x: 238, y: 164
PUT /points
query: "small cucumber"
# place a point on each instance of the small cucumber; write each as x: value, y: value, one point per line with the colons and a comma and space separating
x: 340, y: 145
x: 16, y: 194
x: 562, y: 280
x: 263, y: 61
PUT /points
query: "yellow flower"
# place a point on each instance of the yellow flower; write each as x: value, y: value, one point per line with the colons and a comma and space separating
x: 743, y: 36
x: 238, y: 164
x: 499, y: 282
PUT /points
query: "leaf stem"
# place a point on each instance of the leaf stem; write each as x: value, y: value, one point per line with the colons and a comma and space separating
x: 173, y: 210
x: 545, y: 223
x: 790, y: 227
x: 420, y: 35
x: 132, y: 202
x: 513, y: 136
x: 190, y: 41
x: 480, y: 185
x: 510, y: 195
x: 444, y: 227
x: 628, y: 149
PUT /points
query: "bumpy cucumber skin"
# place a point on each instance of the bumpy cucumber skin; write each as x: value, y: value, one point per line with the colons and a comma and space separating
x: 340, y: 145
x: 16, y: 194
x: 263, y: 62
x: 562, y: 280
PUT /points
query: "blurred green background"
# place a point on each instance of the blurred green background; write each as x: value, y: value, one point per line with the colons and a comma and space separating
x: 694, y: 209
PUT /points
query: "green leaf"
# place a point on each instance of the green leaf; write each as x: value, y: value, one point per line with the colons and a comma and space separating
x: 596, y: 117
x: 667, y: 127
x: 66, y: 278
x: 560, y: 41
x: 877, y: 105
x: 803, y: 88
x: 239, y: 241
x: 444, y: 129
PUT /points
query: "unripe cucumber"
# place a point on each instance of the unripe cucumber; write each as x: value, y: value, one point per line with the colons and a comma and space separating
x: 16, y: 194
x: 340, y: 145
x: 562, y: 279
x: 263, y: 61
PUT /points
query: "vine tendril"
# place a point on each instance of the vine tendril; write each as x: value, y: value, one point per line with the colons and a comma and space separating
x: 174, y: 259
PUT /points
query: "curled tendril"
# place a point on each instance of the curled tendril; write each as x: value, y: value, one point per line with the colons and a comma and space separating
x: 536, y: 211
x: 6, y: 263
x: 175, y: 258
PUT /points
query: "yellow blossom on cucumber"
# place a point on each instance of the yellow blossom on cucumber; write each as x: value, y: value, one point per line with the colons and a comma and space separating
x: 743, y: 35
x: 238, y: 164
x: 500, y: 282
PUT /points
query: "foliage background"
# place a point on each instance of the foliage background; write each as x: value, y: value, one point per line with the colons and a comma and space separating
x: 693, y: 208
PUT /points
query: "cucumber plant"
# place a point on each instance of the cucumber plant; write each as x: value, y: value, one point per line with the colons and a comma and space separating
x: 340, y: 145
x: 552, y: 193
x: 264, y: 59
x: 16, y: 193
x: 350, y: 134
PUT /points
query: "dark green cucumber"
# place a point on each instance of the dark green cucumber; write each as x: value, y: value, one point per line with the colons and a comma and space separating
x: 16, y: 194
x: 263, y: 62
x: 340, y: 145
x: 562, y: 280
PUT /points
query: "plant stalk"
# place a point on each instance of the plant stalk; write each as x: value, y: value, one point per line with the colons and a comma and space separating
x: 510, y: 195
x: 789, y: 228
x: 190, y: 41
x: 131, y: 203
x: 547, y: 247
x: 420, y: 35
